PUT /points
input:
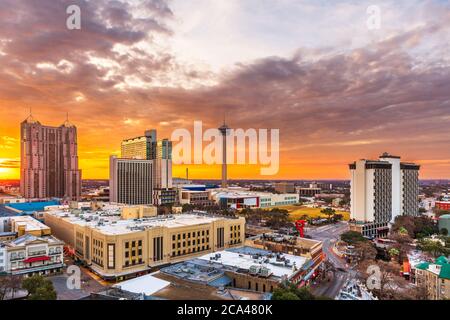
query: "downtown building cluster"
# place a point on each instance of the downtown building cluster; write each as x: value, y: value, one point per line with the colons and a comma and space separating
x: 126, y: 237
x: 143, y: 173
x: 382, y: 190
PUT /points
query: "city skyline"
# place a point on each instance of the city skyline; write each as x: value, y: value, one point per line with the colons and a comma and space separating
x: 336, y: 90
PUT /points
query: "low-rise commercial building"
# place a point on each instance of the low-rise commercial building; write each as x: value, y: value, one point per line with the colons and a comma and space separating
x: 284, y: 187
x: 21, y: 225
x: 442, y: 205
x: 245, y: 268
x: 435, y: 277
x: 308, y: 192
x: 9, y: 199
x: 293, y: 245
x: 31, y: 255
x: 195, y: 197
x: 164, y: 197
x: 237, y: 198
x: 116, y: 248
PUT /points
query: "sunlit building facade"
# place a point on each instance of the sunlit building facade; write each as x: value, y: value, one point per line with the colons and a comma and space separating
x: 49, y: 161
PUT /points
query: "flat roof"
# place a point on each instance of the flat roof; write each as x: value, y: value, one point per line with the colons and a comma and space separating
x: 32, y: 206
x: 276, y: 238
x: 30, y: 223
x: 147, y: 285
x: 244, y: 260
x: 109, y: 222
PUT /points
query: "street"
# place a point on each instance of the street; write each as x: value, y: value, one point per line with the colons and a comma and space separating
x: 329, y: 234
x: 89, y: 283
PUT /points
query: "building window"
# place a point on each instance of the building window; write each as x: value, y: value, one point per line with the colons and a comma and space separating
x: 111, y: 256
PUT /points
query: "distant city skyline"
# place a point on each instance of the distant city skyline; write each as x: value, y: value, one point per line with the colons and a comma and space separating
x: 337, y: 90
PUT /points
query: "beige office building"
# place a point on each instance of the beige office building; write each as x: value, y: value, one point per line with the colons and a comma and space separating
x: 115, y: 248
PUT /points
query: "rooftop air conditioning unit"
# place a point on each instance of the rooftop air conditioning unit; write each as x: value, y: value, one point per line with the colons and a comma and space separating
x: 264, y: 272
x: 254, y: 269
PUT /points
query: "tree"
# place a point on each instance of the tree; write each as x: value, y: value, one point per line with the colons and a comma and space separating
x: 15, y: 284
x: 417, y: 227
x: 403, y: 231
x: 352, y: 237
x: 9, y: 284
x: 402, y: 244
x: 388, y: 280
x: 365, y: 250
x: 434, y: 247
x: 284, y: 295
x: 289, y: 291
x: 440, y: 212
x: 394, y: 252
x: 4, y: 287
x: 39, y: 288
x: 44, y: 293
x: 328, y: 212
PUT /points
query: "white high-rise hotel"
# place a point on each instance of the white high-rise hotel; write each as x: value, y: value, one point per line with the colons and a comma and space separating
x: 381, y: 190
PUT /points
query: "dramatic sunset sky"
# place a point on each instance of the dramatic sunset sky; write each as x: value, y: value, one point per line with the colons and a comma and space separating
x: 337, y: 91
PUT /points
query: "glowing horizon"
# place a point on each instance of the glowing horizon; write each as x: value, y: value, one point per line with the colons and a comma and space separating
x: 337, y: 90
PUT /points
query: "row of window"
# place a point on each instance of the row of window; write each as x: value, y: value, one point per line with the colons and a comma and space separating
x: 190, y: 235
x: 97, y: 252
x: 177, y: 253
x: 133, y: 253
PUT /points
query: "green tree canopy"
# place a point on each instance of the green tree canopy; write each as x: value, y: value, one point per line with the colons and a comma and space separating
x: 291, y: 292
x: 352, y: 237
x: 329, y: 212
x: 434, y: 247
x: 39, y: 288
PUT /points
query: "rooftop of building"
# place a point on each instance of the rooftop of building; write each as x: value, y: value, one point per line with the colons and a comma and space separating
x: 210, y: 268
x: 441, y: 267
x: 32, y: 206
x: 134, y: 139
x: 109, y: 221
x: 387, y: 155
x: 30, y: 223
x: 29, y: 238
x: 245, y: 193
x: 286, y: 239
x: 181, y: 289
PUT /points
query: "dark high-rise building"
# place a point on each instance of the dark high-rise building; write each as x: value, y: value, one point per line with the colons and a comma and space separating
x: 130, y: 181
x: 49, y: 161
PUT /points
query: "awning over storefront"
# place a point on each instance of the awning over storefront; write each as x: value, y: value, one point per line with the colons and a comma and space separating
x: 309, y: 275
x: 36, y: 259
